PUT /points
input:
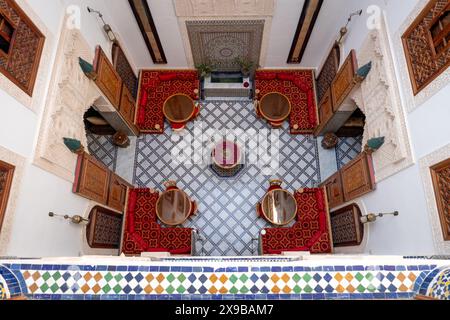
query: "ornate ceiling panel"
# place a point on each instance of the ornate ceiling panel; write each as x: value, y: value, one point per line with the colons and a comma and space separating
x: 221, y: 42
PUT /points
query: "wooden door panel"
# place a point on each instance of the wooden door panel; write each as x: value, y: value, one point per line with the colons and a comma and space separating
x: 93, y: 180
x: 343, y: 83
x: 326, y: 107
x: 108, y: 80
x: 117, y: 193
x: 127, y: 105
x: 357, y: 177
x: 334, y: 190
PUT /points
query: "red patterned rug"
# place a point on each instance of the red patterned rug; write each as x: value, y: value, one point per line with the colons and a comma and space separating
x: 311, y: 232
x: 142, y: 232
x: 155, y: 87
x: 298, y: 86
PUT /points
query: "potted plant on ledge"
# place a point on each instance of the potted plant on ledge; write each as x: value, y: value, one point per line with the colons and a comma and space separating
x: 246, y: 66
x: 204, y: 69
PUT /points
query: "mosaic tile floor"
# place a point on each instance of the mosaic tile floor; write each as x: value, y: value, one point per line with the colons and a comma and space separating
x: 227, y: 219
x: 102, y: 148
x: 347, y: 149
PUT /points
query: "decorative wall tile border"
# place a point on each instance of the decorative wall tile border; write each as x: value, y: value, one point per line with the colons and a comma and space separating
x: 90, y: 282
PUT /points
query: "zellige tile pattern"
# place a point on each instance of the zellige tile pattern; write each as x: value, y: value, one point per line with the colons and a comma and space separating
x: 227, y: 218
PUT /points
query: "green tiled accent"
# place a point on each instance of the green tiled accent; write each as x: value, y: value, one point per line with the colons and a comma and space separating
x: 360, y: 288
x: 296, y: 277
x: 244, y: 289
x: 370, y: 276
x: 243, y: 278
x: 308, y: 289
x: 371, y: 288
x: 359, y: 276
x: 117, y: 289
x: 44, y: 287
x: 108, y: 276
x: 307, y: 277
x: 106, y: 288
x: 181, y: 277
x: 233, y: 279
x: 297, y: 289
x: 170, y: 289
x: 54, y: 287
x: 170, y: 277
x: 234, y: 290
x: 56, y: 275
x: 181, y: 289
x: 118, y: 277
x: 46, y: 276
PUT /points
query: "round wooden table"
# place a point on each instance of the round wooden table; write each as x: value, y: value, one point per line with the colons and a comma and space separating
x: 279, y: 207
x: 179, y: 108
x: 173, y: 207
x: 275, y: 107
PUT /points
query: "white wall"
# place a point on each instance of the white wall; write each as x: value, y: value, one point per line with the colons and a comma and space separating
x: 410, y: 233
x: 33, y: 233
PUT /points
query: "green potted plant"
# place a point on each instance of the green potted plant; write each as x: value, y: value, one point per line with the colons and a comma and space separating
x: 204, y: 69
x: 247, y: 66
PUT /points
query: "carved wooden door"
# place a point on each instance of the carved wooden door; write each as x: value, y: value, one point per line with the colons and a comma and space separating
x: 127, y: 105
x: 92, y: 179
x: 357, y: 177
x: 334, y: 190
x: 117, y: 192
x: 108, y: 80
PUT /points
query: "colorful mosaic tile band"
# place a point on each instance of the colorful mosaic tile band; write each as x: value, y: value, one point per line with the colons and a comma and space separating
x: 288, y: 281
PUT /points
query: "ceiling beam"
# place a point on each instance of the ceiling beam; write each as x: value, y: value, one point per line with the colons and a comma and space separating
x: 305, y: 26
x: 144, y: 18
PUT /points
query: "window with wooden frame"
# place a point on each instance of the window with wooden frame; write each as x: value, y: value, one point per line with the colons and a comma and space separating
x: 6, y: 177
x: 440, y: 174
x: 21, y: 45
x: 440, y: 31
x: 426, y: 44
x: 6, y: 34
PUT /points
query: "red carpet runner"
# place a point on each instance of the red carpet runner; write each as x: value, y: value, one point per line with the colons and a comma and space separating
x: 311, y: 232
x: 298, y: 86
x: 155, y: 87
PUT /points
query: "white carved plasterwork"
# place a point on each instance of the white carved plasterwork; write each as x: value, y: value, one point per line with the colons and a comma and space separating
x: 19, y: 163
x: 198, y: 8
x: 34, y: 102
x: 70, y: 94
x: 441, y: 246
x: 412, y: 102
x: 379, y: 99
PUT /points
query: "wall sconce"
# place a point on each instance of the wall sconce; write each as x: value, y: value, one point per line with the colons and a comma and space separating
x: 74, y: 219
x: 106, y: 27
x: 344, y: 29
x: 371, y: 217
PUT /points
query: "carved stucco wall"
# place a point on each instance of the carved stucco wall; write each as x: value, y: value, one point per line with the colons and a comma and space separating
x: 442, y: 246
x: 224, y: 10
x: 70, y: 94
x: 19, y: 163
x: 379, y: 99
